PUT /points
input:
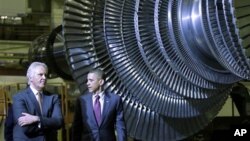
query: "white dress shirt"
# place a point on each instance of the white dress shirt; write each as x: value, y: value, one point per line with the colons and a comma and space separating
x: 35, y: 92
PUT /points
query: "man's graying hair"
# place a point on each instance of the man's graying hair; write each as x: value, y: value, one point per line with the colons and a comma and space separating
x: 30, y: 71
x: 100, y: 73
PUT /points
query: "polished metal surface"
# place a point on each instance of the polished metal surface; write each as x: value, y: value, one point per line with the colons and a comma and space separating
x: 172, y: 61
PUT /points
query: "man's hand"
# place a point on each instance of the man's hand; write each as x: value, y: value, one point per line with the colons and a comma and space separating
x: 27, y: 119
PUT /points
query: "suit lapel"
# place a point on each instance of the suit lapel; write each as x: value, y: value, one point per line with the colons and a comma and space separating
x: 33, y: 99
x: 106, y: 108
x: 89, y: 105
x: 45, y: 100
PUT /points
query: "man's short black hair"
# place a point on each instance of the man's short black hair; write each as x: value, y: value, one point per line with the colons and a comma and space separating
x: 99, y: 72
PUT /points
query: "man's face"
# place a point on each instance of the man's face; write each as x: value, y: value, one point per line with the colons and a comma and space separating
x: 94, y: 83
x: 38, y: 78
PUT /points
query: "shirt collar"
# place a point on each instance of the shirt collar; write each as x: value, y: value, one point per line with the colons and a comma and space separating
x: 34, y: 90
x: 101, y: 94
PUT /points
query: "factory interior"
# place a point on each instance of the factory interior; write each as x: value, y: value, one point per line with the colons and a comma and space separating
x: 154, y: 85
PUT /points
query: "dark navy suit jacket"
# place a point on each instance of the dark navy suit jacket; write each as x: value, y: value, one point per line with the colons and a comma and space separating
x: 51, y: 118
x: 85, y: 126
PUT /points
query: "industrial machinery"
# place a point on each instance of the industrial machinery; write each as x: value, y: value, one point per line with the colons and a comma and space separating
x: 173, y: 62
x: 49, y: 48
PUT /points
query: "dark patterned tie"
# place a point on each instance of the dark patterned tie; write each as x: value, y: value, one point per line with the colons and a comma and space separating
x: 97, y: 109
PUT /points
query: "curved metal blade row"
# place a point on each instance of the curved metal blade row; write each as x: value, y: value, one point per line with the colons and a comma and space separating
x: 159, y: 49
x: 166, y: 96
x: 225, y: 36
x: 150, y: 126
x: 144, y: 85
x: 78, y: 34
x: 193, y: 45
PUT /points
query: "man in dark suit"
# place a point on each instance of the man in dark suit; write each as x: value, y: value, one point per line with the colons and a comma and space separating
x: 94, y: 123
x: 37, y: 113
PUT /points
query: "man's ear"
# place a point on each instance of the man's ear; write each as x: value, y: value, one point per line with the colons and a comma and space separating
x: 30, y: 78
x: 101, y: 82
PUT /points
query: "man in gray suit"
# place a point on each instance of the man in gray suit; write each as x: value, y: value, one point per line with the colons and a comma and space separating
x: 98, y: 113
x: 37, y: 113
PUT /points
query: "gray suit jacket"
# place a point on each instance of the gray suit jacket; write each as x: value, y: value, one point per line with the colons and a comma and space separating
x: 51, y: 118
x: 85, y: 126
